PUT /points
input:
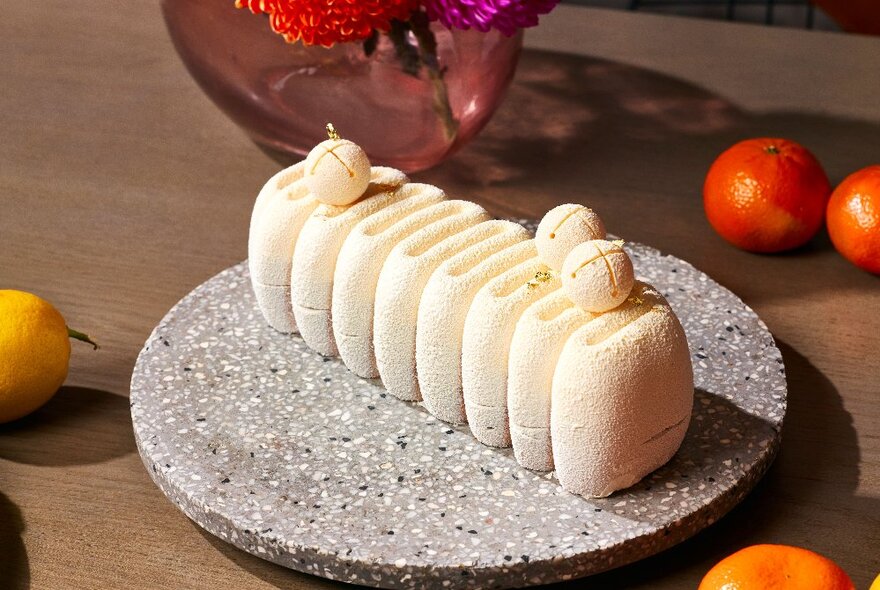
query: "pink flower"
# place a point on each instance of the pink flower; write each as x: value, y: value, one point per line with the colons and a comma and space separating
x: 508, y: 16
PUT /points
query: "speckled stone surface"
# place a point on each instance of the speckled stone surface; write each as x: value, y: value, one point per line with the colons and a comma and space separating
x: 288, y: 456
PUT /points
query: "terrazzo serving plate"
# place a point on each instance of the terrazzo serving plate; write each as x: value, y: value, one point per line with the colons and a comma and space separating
x: 288, y: 456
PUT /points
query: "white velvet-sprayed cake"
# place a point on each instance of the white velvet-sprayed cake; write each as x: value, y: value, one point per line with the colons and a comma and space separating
x: 548, y: 345
x: 622, y: 396
x: 316, y: 251
x: 443, y: 309
x: 360, y: 262
x: 488, y: 332
x: 537, y: 341
x: 401, y: 283
x: 279, y: 213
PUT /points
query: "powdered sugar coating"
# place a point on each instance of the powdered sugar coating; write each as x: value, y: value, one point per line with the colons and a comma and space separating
x: 316, y: 252
x: 488, y: 331
x: 597, y: 275
x: 280, y: 210
x: 540, y: 334
x: 564, y: 227
x: 360, y: 261
x: 622, y: 396
x: 444, y: 306
x: 399, y: 291
x: 337, y: 172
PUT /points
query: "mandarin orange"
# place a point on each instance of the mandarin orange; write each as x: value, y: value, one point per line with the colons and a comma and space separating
x: 854, y: 218
x: 766, y: 195
x: 776, y: 567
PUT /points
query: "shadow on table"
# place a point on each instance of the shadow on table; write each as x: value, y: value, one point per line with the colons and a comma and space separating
x: 816, y: 469
x: 77, y: 426
x: 600, y: 132
x: 580, y: 122
x: 14, y: 570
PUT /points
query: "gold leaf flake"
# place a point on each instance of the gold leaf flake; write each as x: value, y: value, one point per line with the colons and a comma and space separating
x: 540, y: 277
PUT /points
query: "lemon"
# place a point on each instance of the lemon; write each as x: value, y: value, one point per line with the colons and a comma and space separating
x: 876, y: 584
x: 34, y: 353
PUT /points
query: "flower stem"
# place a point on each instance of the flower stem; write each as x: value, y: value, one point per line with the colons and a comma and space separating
x: 442, y: 106
x: 421, y: 28
x: 425, y: 55
x: 406, y: 53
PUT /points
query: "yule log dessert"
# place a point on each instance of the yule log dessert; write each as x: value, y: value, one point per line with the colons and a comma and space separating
x: 549, y: 345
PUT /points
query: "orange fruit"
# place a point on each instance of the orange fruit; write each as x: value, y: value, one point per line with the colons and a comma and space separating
x: 766, y: 195
x: 776, y: 567
x: 34, y: 352
x: 854, y: 218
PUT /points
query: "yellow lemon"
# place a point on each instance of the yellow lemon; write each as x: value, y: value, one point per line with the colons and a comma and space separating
x: 876, y: 584
x: 34, y: 353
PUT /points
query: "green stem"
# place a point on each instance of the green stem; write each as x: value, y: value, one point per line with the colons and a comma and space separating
x: 406, y: 53
x: 421, y: 28
x: 81, y: 337
x: 414, y: 58
x: 441, y: 103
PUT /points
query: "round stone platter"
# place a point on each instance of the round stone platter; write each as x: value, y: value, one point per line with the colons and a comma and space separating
x: 289, y: 456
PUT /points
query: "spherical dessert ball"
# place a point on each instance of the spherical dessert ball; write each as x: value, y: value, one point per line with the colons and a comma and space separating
x: 337, y: 172
x: 563, y: 228
x: 597, y: 275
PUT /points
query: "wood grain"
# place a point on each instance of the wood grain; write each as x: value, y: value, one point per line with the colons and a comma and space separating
x: 122, y: 187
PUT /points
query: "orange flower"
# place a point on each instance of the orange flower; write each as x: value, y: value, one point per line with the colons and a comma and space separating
x: 326, y: 22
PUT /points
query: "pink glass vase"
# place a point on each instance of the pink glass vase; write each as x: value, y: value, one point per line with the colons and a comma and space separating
x: 283, y: 94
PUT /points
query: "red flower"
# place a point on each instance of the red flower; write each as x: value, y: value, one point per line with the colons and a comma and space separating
x: 326, y: 22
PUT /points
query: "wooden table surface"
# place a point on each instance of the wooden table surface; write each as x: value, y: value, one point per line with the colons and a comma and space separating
x: 122, y: 188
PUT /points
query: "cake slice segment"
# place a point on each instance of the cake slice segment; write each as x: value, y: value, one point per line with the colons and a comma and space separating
x: 442, y: 311
x: 399, y: 291
x: 488, y: 331
x: 622, y: 396
x: 538, y: 338
x: 314, y: 258
x: 279, y: 181
x: 360, y: 262
x: 279, y: 213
